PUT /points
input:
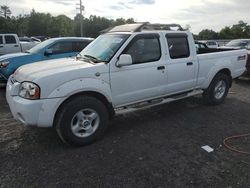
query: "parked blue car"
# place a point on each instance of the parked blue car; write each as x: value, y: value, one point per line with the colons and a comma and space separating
x: 50, y: 49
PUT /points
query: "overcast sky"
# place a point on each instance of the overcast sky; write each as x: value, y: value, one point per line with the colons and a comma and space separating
x: 200, y: 14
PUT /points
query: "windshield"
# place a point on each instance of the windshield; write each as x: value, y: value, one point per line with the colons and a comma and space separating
x: 104, y: 47
x: 40, y: 46
x: 237, y: 43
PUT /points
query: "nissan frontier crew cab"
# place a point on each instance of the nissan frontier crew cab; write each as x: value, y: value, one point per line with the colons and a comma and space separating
x: 128, y: 67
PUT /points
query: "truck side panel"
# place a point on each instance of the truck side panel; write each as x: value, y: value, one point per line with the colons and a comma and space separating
x: 210, y: 64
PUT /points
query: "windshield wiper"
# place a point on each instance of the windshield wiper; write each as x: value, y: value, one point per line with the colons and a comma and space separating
x: 94, y: 59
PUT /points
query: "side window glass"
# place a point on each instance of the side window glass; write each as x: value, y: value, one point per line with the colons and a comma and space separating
x: 9, y: 39
x: 178, y: 47
x: 1, y: 40
x: 61, y: 47
x: 144, y: 49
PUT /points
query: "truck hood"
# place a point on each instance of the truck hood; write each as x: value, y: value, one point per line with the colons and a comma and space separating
x: 49, y: 68
x: 9, y: 56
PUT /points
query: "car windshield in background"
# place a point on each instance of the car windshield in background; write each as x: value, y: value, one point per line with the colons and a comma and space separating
x: 104, y: 47
x: 237, y: 43
x: 40, y: 46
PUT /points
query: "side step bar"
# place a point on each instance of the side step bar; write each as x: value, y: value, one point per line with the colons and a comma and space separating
x: 157, y: 101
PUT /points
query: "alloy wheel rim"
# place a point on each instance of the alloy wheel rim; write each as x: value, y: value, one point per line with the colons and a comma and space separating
x: 85, y: 122
x: 220, y: 89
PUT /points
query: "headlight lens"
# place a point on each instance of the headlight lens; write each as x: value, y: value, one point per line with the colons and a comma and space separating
x: 29, y: 90
x: 4, y: 64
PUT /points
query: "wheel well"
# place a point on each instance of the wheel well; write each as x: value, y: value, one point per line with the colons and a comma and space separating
x: 228, y: 73
x: 92, y: 94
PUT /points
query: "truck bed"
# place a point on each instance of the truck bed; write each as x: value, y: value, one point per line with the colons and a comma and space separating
x: 217, y: 59
x: 217, y: 50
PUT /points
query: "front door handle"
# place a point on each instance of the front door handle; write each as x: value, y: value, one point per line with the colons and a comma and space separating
x: 161, y: 68
x: 1, y: 46
x: 16, y: 46
x: 189, y: 63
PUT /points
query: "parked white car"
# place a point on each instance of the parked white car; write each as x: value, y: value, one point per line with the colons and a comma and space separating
x: 130, y: 67
x: 9, y: 43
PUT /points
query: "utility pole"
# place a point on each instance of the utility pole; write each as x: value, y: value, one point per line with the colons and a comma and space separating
x: 81, y: 8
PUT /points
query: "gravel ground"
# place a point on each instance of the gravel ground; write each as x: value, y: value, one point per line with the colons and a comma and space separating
x: 157, y: 147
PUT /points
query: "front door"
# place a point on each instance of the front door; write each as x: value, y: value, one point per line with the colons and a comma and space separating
x: 146, y: 78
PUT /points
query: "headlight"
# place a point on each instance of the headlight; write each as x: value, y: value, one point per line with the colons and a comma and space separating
x: 29, y: 90
x: 4, y: 64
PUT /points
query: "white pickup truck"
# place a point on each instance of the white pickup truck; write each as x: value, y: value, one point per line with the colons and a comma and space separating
x: 10, y: 43
x: 129, y: 67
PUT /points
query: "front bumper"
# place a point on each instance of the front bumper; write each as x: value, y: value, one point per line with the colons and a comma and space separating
x: 38, y: 113
x: 26, y: 111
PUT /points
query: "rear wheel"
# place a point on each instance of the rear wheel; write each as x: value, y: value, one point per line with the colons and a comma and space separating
x: 217, y: 90
x: 81, y: 120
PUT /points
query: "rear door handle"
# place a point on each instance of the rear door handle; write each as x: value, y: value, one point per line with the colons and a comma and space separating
x: 189, y: 63
x: 16, y: 46
x: 161, y: 68
x: 1, y: 46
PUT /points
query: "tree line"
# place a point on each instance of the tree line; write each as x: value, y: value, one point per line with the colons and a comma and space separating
x: 241, y: 30
x: 44, y: 24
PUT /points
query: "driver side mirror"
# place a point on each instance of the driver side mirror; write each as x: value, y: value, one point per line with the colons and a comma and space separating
x: 124, y: 59
x: 48, y: 52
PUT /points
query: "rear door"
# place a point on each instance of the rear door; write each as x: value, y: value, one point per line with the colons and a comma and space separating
x: 2, y: 51
x: 11, y: 44
x: 181, y: 65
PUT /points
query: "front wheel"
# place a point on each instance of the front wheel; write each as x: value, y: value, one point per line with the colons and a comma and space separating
x: 81, y: 120
x: 218, y: 89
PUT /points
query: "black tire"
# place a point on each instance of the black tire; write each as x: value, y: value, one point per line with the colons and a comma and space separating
x: 209, y: 95
x: 66, y: 114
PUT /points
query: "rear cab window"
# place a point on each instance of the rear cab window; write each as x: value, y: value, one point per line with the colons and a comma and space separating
x: 10, y: 39
x: 178, y: 45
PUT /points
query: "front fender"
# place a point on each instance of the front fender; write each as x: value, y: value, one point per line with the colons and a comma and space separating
x: 64, y: 91
x: 80, y: 85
